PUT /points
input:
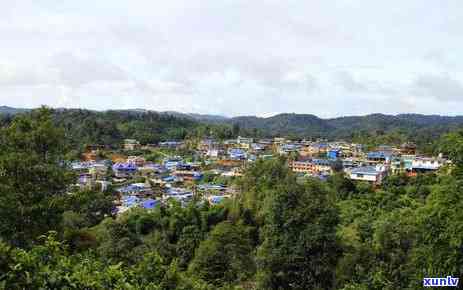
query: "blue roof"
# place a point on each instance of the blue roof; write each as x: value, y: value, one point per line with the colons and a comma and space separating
x: 169, y: 178
x: 150, y: 203
x: 236, y: 151
x: 125, y: 166
x: 217, y: 199
x: 211, y: 186
x: 379, y: 154
x: 290, y: 146
x: 172, y: 163
x: 333, y: 153
x: 131, y: 188
x: 320, y: 145
x: 321, y: 162
x: 322, y: 176
x: 178, y: 191
x: 130, y: 200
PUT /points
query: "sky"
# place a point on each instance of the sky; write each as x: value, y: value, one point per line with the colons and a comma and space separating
x: 234, y: 57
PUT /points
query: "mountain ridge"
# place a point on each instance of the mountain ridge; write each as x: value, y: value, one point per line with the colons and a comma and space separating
x: 9, y: 109
x: 413, y: 125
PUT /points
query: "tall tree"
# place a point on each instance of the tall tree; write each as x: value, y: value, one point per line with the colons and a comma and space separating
x: 225, y: 256
x: 299, y: 248
x: 33, y: 177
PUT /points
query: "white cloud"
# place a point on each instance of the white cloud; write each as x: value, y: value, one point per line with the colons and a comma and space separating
x: 441, y: 87
x: 234, y: 57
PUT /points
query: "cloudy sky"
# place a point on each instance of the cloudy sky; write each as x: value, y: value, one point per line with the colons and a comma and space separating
x: 234, y: 57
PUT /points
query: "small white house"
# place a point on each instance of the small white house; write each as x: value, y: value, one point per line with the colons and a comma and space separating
x: 427, y: 163
x: 374, y: 174
x: 212, y: 153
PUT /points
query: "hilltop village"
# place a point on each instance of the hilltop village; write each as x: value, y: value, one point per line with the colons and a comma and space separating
x: 150, y: 174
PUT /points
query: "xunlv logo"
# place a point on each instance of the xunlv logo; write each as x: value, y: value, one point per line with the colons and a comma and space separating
x: 441, y: 282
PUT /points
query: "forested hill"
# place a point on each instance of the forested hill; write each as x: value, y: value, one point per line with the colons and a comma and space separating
x: 5, y: 110
x: 342, y: 127
x: 110, y: 127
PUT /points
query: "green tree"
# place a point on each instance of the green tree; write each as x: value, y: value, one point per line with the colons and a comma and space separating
x: 299, y: 248
x: 225, y: 256
x: 439, y: 250
x: 33, y: 177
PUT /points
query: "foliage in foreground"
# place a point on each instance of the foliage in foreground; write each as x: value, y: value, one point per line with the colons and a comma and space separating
x: 281, y: 233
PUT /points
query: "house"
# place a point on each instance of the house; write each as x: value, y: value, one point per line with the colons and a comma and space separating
x: 124, y: 169
x: 230, y: 143
x: 170, y: 179
x: 130, y: 201
x: 424, y: 164
x: 216, y: 199
x: 212, y: 187
x: 90, y: 156
x: 408, y: 148
x: 266, y: 156
x: 135, y: 189
x: 278, y: 141
x: 402, y: 164
x: 252, y: 158
x: 237, y: 154
x: 314, y: 148
x: 302, y: 167
x: 266, y: 143
x: 312, y: 167
x: 243, y: 140
x: 86, y: 180
x: 351, y: 162
x: 188, y: 175
x: 257, y: 148
x: 236, y: 171
x: 374, y: 174
x: 213, y: 153
x: 321, y: 147
x: 98, y: 170
x: 150, y: 203
x: 288, y: 148
x: 180, y: 194
x: 82, y: 167
x: 131, y: 144
x: 322, y: 165
x: 207, y: 144
x: 104, y: 185
x: 170, y: 144
x: 379, y: 156
x: 172, y: 163
x: 151, y: 168
x: 137, y: 160
x: 333, y: 154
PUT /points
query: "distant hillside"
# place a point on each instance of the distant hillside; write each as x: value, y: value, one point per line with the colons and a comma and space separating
x: 150, y: 126
x: 284, y: 124
x: 312, y: 126
x: 198, y: 117
x: 5, y: 110
x: 111, y: 127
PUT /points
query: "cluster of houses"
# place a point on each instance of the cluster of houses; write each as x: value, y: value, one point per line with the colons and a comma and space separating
x: 371, y: 166
x: 321, y: 158
x: 141, y: 183
x: 137, y: 182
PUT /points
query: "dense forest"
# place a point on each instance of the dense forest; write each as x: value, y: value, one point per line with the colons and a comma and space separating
x: 84, y: 127
x: 279, y: 233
